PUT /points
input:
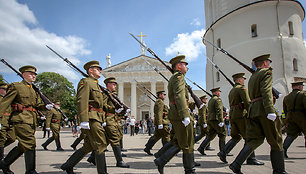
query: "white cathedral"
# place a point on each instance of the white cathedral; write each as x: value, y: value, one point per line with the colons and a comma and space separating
x: 245, y: 29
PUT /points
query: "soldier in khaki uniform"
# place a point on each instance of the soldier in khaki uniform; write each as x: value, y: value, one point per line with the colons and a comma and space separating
x: 91, y: 117
x: 112, y: 127
x: 7, y: 135
x: 294, y: 105
x: 239, y: 102
x: 180, y: 118
x: 215, y: 121
x: 262, y: 119
x: 53, y: 121
x: 24, y: 101
x: 202, y: 119
x: 161, y: 123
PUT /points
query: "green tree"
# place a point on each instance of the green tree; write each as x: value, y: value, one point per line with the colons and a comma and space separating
x: 57, y: 88
x: 1, y: 79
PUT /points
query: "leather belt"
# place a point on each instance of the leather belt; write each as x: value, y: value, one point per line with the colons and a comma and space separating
x: 55, y: 121
x: 91, y: 108
x: 6, y: 114
x: 256, y: 99
x: 20, y: 108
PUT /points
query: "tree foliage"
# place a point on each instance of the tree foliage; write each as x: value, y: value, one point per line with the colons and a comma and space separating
x: 1, y: 79
x: 57, y: 88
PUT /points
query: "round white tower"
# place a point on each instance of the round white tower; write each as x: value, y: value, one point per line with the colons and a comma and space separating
x: 249, y: 28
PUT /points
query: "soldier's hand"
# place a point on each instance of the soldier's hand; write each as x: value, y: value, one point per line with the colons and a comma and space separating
x: 186, y: 121
x: 160, y: 126
x: 221, y: 124
x: 49, y: 106
x: 43, y: 118
x: 0, y: 126
x: 128, y: 111
x: 66, y: 119
x: 85, y: 125
x: 205, y: 125
x: 104, y: 124
x: 271, y: 116
x: 118, y: 110
x: 47, y: 128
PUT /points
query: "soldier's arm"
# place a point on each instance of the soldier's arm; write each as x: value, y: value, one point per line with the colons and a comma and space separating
x: 266, y: 91
x: 219, y: 110
x: 158, y: 110
x: 180, y: 97
x: 8, y: 99
x: 83, y: 100
x: 285, y: 106
x: 245, y: 97
x: 304, y: 99
x: 49, y: 116
x: 108, y: 106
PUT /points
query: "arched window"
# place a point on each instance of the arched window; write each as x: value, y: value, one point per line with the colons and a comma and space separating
x: 219, y: 43
x: 218, y: 76
x: 295, y: 64
x: 254, y: 30
x: 291, y: 31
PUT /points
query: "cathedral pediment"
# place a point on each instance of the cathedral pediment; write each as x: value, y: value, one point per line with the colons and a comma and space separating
x: 137, y: 64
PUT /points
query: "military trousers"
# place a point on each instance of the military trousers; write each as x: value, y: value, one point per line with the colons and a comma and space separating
x: 295, y: 125
x: 114, y: 134
x: 55, y: 128
x: 95, y: 138
x: 163, y: 133
x: 260, y: 128
x: 238, y: 128
x: 25, y: 134
x: 7, y: 135
x: 183, y: 136
x: 214, y: 129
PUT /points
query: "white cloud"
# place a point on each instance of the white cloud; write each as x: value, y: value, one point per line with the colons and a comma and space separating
x: 189, y: 44
x: 22, y: 43
x: 195, y: 22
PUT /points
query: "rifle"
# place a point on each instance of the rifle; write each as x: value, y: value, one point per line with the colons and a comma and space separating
x: 218, y: 69
x: 113, y: 98
x: 276, y: 93
x: 146, y: 89
x: 145, y: 94
x: 42, y: 96
x: 196, y: 99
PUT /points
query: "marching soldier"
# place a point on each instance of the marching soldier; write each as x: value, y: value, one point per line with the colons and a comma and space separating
x: 179, y: 117
x: 263, y: 121
x: 7, y: 135
x: 239, y: 102
x: 215, y: 121
x: 24, y: 101
x: 161, y: 123
x: 294, y: 106
x: 53, y: 121
x: 91, y: 116
x: 202, y: 119
x: 112, y: 127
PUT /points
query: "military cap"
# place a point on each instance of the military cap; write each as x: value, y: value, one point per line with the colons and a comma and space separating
x: 3, y: 85
x: 297, y: 83
x: 110, y: 80
x: 161, y: 92
x: 28, y: 68
x: 262, y: 58
x: 91, y: 64
x: 238, y: 75
x: 203, y: 97
x: 215, y: 89
x: 178, y: 59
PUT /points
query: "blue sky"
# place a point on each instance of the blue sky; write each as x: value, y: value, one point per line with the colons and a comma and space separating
x: 89, y: 30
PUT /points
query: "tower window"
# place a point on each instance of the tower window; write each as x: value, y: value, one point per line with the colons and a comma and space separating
x: 218, y: 76
x: 219, y: 43
x: 295, y: 64
x: 291, y: 31
x: 254, y: 30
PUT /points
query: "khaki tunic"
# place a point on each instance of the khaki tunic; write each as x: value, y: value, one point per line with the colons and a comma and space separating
x: 161, y: 118
x: 24, y: 121
x: 215, y: 116
x: 7, y: 135
x: 90, y: 106
x: 296, y: 115
x: 178, y: 97
x: 202, y: 120
x: 53, y: 121
x: 259, y: 126
x: 239, y: 102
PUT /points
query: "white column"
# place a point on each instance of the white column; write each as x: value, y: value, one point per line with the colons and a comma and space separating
x: 153, y: 90
x: 133, y: 99
x: 121, y: 91
x: 166, y: 89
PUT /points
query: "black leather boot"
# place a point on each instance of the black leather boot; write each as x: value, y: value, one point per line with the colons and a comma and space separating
x: 92, y: 157
x: 277, y: 161
x: 162, y: 150
x: 76, y: 142
x: 165, y: 158
x: 121, y: 146
x: 76, y: 157
x: 209, y: 147
x: 221, y: 144
x: 203, y: 145
x: 58, y: 145
x: 287, y: 142
x: 30, y: 158
x: 253, y: 161
x: 117, y: 153
x: 197, y: 138
x: 101, y: 163
x: 188, y: 162
x: 227, y: 148
x: 149, y: 146
x: 243, y: 155
x: 10, y: 158
x: 45, y: 144
x: 1, y: 153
